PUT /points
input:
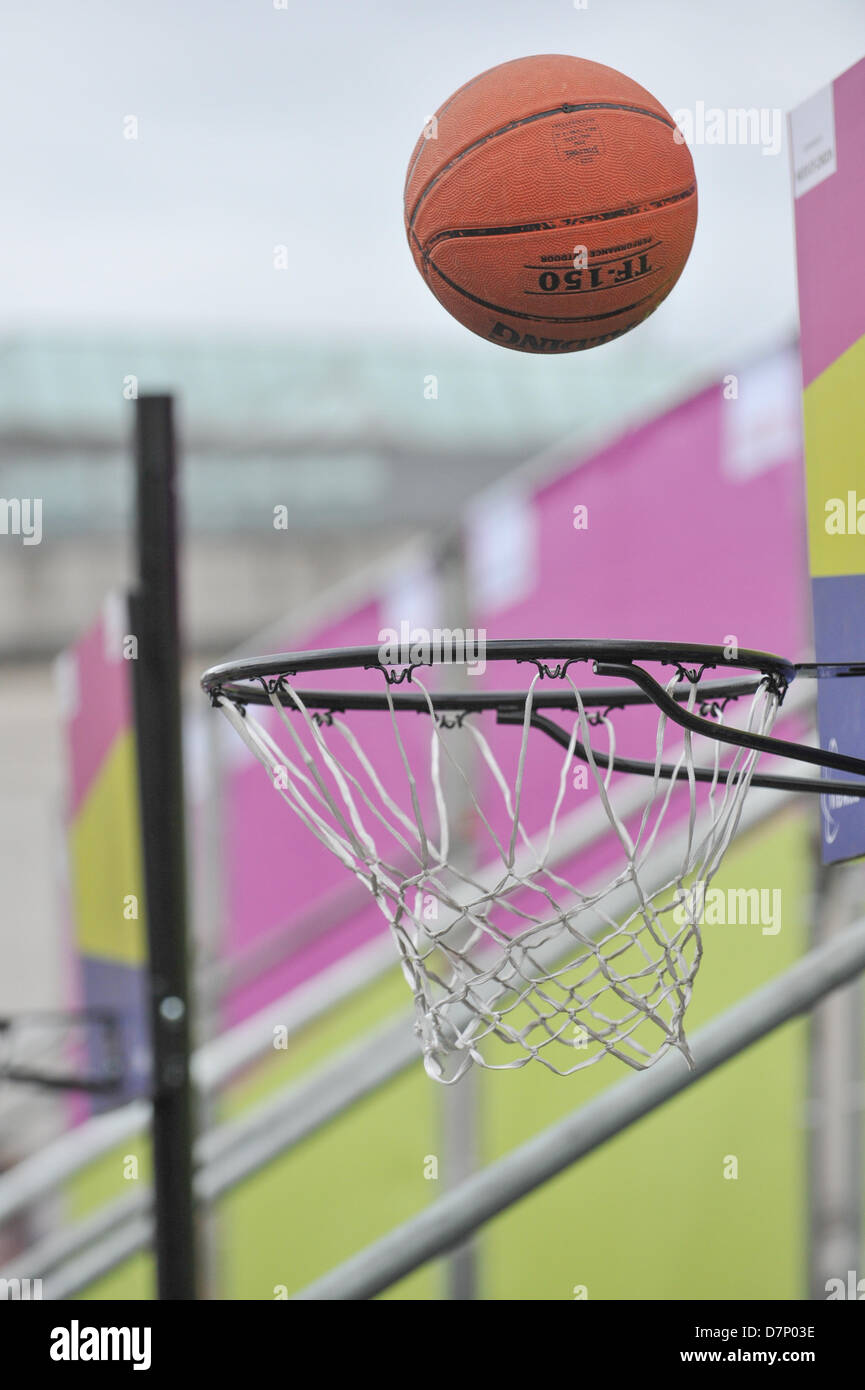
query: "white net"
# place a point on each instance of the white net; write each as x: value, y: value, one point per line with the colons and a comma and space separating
x: 513, y: 961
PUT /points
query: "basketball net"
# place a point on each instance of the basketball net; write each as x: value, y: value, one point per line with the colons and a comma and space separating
x: 517, y: 962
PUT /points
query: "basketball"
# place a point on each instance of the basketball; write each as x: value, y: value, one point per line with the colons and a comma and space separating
x: 550, y: 204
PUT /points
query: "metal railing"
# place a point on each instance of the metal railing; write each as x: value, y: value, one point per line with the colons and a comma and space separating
x: 232, y: 1152
x: 448, y: 1221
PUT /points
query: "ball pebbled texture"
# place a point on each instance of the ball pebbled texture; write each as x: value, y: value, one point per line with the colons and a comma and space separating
x: 549, y: 204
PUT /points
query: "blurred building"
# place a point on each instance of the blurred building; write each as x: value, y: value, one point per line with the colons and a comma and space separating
x: 359, y: 446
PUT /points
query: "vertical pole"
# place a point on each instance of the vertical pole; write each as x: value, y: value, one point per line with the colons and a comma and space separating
x: 154, y: 608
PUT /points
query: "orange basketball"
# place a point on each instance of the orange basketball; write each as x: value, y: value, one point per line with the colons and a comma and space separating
x: 549, y: 205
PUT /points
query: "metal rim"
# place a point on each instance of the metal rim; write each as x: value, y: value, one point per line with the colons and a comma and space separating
x: 254, y: 680
x: 473, y: 702
x: 260, y: 680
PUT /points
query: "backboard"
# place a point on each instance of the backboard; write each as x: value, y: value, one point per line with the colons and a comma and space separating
x: 828, y: 152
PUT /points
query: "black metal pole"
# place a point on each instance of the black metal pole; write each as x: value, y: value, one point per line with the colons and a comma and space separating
x: 155, y: 621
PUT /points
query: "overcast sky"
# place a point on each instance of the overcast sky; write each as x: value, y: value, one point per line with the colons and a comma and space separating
x: 260, y: 126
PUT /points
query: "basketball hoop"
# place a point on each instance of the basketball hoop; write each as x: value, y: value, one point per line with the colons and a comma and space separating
x: 510, y: 959
x: 62, y: 1050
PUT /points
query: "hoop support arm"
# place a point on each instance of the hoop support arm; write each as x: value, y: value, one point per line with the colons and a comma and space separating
x: 762, y: 743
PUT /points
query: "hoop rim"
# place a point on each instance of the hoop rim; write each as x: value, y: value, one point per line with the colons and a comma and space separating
x: 261, y: 681
x: 245, y: 681
x: 476, y: 702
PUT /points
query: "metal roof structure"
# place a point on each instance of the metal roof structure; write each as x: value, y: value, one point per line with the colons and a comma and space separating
x: 345, y: 436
